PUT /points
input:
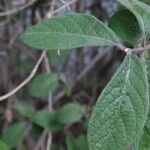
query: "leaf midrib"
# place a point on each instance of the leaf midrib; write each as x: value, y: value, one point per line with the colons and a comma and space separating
x: 73, y: 34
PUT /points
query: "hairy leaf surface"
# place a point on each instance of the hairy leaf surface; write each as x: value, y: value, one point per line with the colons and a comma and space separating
x: 120, y: 113
x: 69, y: 31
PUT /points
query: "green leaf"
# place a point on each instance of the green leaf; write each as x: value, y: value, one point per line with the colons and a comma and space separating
x: 47, y: 120
x: 70, y: 113
x: 3, y: 146
x: 25, y: 109
x: 120, y: 113
x: 69, y: 31
x: 14, y: 134
x: 55, y: 58
x: 147, y: 64
x: 141, y: 11
x: 126, y: 26
x: 43, y: 84
x: 71, y: 143
x: 82, y: 142
x: 144, y: 143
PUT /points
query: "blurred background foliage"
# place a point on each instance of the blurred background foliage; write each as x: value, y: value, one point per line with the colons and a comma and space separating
x: 51, y: 111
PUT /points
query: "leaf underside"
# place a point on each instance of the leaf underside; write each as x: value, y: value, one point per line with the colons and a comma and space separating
x: 141, y: 11
x: 120, y: 113
x: 129, y: 31
x: 69, y: 31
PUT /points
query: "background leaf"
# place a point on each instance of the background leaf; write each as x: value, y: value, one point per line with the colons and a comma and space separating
x: 43, y: 84
x: 120, y: 113
x: 70, y: 113
x: 71, y: 143
x: 126, y: 26
x: 69, y: 31
x: 3, y: 146
x: 14, y: 134
x: 82, y: 142
x: 55, y: 58
x: 25, y: 109
x: 47, y: 120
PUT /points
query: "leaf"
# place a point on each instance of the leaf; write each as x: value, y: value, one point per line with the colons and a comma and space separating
x: 47, y: 120
x: 69, y: 31
x: 126, y: 26
x: 25, y: 109
x: 144, y: 143
x: 43, y: 84
x: 82, y: 142
x: 14, y: 134
x: 55, y: 58
x: 71, y: 143
x: 147, y: 64
x: 70, y: 113
x: 3, y: 146
x: 141, y: 11
x: 120, y: 112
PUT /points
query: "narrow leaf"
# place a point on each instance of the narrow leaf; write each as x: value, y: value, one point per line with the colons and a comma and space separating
x: 69, y: 31
x: 120, y: 113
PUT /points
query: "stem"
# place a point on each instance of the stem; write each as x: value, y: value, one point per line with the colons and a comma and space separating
x: 32, y: 74
x: 141, y: 49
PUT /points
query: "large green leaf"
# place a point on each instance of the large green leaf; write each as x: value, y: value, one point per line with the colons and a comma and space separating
x: 69, y: 31
x: 141, y: 11
x: 43, y: 84
x: 129, y: 31
x: 120, y: 113
x: 14, y: 134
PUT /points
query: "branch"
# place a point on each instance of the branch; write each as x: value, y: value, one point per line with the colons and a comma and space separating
x: 141, y: 49
x: 32, y: 74
x: 63, y: 7
x: 127, y: 50
x: 15, y: 10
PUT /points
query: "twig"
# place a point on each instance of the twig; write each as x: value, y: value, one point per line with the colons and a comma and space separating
x: 131, y: 50
x: 26, y: 80
x: 63, y: 7
x: 50, y: 104
x: 66, y: 3
x: 142, y: 49
x: 15, y: 10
